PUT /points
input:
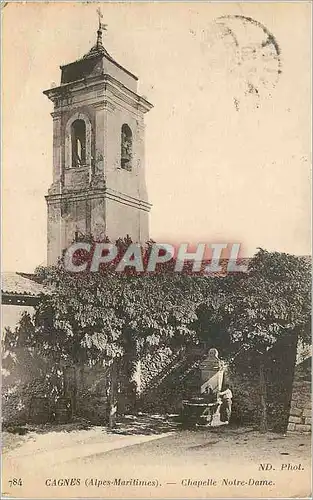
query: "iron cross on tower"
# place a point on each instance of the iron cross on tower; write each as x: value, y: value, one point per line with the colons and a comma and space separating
x: 101, y: 27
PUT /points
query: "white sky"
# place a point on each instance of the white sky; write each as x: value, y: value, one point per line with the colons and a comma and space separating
x: 214, y: 173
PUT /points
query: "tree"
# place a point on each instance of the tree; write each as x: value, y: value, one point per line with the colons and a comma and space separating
x: 27, y: 370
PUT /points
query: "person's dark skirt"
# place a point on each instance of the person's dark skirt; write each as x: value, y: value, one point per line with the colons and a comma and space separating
x: 225, y: 410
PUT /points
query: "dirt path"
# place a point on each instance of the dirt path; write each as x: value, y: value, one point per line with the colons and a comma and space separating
x: 221, y: 462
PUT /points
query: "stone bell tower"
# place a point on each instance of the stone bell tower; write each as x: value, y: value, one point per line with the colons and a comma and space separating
x: 99, y: 183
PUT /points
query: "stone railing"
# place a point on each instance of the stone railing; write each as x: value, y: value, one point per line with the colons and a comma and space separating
x: 159, y: 369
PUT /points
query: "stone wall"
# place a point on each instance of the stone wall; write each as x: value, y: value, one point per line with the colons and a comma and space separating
x: 300, y: 418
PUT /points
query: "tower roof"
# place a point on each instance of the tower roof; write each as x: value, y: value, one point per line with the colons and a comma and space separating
x: 90, y: 63
x: 98, y: 48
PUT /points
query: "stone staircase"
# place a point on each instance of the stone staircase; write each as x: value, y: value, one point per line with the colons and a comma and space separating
x: 177, y: 380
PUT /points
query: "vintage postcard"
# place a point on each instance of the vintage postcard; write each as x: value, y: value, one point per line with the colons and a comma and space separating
x: 156, y: 255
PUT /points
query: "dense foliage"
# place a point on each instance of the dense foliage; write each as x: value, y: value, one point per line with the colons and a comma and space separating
x: 87, y: 318
x: 259, y: 307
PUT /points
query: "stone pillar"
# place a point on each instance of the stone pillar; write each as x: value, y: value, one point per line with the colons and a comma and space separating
x: 139, y: 160
x: 56, y: 147
x: 55, y: 230
x: 212, y: 371
x: 57, y: 179
x: 100, y: 153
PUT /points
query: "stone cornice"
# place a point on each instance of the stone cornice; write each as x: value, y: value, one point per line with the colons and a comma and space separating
x: 128, y: 200
x: 104, y: 105
x: 102, y: 193
x: 105, y: 82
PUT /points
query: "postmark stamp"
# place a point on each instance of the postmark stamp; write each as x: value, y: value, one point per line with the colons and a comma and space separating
x: 253, y: 60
